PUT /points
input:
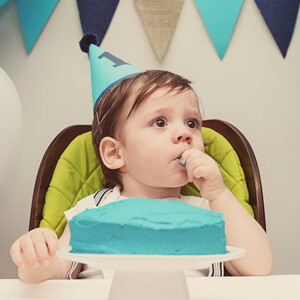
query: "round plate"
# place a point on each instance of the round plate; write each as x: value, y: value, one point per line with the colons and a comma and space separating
x: 151, y: 262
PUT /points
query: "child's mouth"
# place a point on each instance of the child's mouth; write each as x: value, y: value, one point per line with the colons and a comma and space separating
x: 180, y: 161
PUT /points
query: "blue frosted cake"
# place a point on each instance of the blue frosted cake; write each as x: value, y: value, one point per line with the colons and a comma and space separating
x: 144, y: 226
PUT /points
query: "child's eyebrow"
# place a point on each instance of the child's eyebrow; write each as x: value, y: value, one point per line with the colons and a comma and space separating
x: 161, y: 111
x: 193, y: 113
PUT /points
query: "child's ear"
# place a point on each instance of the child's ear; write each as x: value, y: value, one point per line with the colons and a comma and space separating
x: 111, y: 153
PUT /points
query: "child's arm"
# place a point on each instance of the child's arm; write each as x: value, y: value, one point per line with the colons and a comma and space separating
x: 34, y: 254
x: 241, y: 229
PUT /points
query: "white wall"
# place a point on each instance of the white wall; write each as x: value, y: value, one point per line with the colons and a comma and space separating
x: 253, y: 87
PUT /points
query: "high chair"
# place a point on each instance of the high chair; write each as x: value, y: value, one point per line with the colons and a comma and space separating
x: 69, y: 171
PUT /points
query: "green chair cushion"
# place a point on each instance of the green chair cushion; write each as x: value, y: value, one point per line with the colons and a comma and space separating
x: 78, y: 174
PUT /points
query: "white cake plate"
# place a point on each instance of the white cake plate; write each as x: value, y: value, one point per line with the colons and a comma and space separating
x: 150, y: 276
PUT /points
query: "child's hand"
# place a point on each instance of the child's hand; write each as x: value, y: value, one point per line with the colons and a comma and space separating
x: 203, y: 171
x: 35, y: 248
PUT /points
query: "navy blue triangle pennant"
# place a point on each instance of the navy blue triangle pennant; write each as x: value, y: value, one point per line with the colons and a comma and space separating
x: 96, y: 15
x: 280, y: 16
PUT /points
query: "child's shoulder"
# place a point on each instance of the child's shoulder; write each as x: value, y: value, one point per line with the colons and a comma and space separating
x: 196, y: 201
x: 88, y: 202
x: 81, y: 205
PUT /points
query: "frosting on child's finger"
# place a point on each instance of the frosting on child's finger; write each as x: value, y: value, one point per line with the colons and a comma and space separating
x: 183, y: 163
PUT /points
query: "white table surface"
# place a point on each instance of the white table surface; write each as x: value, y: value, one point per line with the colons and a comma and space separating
x: 269, y: 287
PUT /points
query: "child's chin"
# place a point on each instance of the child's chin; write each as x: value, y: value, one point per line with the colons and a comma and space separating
x: 180, y: 182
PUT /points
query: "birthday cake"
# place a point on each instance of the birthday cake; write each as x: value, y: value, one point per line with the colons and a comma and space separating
x: 148, y: 227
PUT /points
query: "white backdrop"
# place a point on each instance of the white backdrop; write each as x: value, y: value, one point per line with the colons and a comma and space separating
x: 253, y: 87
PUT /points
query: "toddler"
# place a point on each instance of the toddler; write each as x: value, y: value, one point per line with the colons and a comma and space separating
x: 146, y: 134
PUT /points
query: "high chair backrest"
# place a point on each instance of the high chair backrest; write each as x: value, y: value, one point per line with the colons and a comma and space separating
x: 69, y: 171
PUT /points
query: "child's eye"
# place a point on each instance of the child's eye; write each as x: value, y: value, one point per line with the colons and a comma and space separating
x: 160, y: 123
x: 192, y: 123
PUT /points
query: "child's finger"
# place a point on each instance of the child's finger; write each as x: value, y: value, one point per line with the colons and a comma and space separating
x: 207, y: 171
x: 41, y: 249
x: 15, y: 253
x: 28, y: 250
x: 189, y: 171
x: 51, y: 241
x: 202, y: 171
x: 192, y: 165
x: 191, y: 154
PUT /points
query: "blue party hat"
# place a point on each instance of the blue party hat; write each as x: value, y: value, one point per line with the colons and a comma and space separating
x: 107, y: 70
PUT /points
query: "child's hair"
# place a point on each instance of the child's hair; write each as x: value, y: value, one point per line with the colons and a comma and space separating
x: 110, y: 111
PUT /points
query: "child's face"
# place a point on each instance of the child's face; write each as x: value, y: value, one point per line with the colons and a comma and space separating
x: 155, y: 136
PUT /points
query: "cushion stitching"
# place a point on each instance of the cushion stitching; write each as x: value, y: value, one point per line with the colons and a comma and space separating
x: 61, y: 193
x: 226, y: 155
x: 66, y: 160
x: 62, y: 218
x: 84, y: 184
x: 237, y: 162
x: 80, y: 176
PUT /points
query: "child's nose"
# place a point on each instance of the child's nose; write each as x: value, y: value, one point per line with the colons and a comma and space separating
x: 185, y: 138
x: 183, y: 135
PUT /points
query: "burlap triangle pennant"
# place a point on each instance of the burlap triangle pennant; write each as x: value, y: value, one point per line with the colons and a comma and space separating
x: 219, y: 17
x: 34, y: 15
x: 159, y: 19
x: 280, y: 16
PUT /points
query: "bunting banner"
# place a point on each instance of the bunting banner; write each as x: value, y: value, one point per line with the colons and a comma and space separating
x: 280, y: 16
x: 159, y: 19
x: 34, y: 15
x: 219, y: 17
x: 96, y: 15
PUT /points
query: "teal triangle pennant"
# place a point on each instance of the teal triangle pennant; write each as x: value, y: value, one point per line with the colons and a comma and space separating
x: 2, y: 2
x: 219, y: 17
x: 34, y: 15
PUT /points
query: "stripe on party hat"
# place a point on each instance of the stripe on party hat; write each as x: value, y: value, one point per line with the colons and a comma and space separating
x: 107, y: 70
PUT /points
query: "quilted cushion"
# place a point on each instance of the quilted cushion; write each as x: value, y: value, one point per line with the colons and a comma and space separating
x: 78, y: 174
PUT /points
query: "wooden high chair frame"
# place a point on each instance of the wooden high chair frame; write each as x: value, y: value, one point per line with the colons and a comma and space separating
x: 230, y: 132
